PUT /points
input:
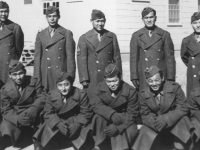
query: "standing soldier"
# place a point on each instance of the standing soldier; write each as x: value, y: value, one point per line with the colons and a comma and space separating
x: 190, y: 54
x: 54, y: 51
x: 11, y: 41
x: 151, y: 45
x: 96, y: 49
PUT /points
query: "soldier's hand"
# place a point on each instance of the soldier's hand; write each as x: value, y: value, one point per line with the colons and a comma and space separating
x: 136, y: 83
x: 31, y: 113
x: 85, y: 83
x: 160, y: 123
x: 74, y: 128
x: 111, y: 130
x: 117, y: 118
x: 69, y: 121
x: 23, y: 120
x: 62, y: 128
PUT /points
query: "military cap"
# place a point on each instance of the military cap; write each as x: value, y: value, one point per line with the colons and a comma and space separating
x: 3, y: 5
x: 15, y: 65
x: 195, y: 16
x: 147, y: 10
x: 151, y: 71
x: 52, y: 9
x: 97, y: 14
x: 111, y: 71
x: 62, y: 76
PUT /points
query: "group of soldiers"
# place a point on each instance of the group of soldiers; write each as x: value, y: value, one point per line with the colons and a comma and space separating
x: 47, y: 110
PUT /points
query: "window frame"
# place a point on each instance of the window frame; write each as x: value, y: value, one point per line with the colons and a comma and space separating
x: 51, y: 3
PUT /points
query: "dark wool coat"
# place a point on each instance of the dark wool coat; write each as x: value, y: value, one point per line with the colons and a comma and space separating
x: 174, y: 110
x: 77, y: 109
x: 13, y: 104
x: 54, y: 55
x: 190, y: 54
x: 11, y: 46
x: 93, y: 56
x: 126, y: 104
x: 145, y: 52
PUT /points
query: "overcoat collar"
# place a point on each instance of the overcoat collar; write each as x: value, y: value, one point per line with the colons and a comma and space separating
x: 120, y: 99
x: 192, y: 45
x: 58, y: 35
x: 168, y: 97
x: 7, y: 29
x: 72, y: 101
x: 156, y: 36
x: 106, y: 39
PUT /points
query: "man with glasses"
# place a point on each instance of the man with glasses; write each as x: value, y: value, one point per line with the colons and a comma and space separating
x: 54, y: 51
x: 11, y: 41
x: 151, y: 45
x: 96, y: 49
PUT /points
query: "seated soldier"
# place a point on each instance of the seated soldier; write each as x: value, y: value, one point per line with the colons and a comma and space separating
x: 22, y: 100
x: 66, y: 115
x: 163, y: 110
x: 116, y: 108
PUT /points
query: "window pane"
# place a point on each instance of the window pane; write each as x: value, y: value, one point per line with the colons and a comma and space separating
x: 174, y: 15
x: 27, y: 1
x: 44, y: 12
x: 173, y: 1
x: 54, y: 4
x: 45, y: 5
x: 57, y: 4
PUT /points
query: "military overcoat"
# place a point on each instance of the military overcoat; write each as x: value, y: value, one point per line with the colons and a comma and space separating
x: 174, y: 110
x: 13, y: 104
x: 54, y: 55
x: 77, y: 109
x: 11, y: 46
x: 145, y: 52
x: 190, y: 55
x: 126, y: 103
x: 93, y: 56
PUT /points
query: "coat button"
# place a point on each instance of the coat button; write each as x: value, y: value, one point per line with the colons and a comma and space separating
x: 60, y: 48
x: 158, y: 59
x: 97, y: 61
x: 48, y: 67
x: 58, y: 57
x: 57, y: 67
x: 193, y: 66
x: 46, y: 49
x: 146, y: 59
x: 145, y: 50
x: 7, y: 63
x: 147, y: 68
x: 192, y: 57
x: 8, y: 44
x: 159, y: 50
x: 99, y: 70
x: 48, y: 58
x: 8, y: 53
x: 195, y: 76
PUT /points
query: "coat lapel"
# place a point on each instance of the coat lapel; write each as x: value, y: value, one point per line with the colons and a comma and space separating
x: 5, y: 32
x: 105, y: 40
x: 12, y: 91
x: 192, y: 45
x: 105, y: 93
x: 45, y: 37
x: 92, y: 38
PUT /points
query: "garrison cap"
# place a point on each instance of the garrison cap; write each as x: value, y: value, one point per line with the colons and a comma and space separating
x: 97, y: 14
x: 151, y: 71
x: 111, y: 71
x: 195, y: 16
x: 62, y: 76
x: 147, y: 10
x: 52, y: 9
x: 3, y: 5
x: 15, y: 65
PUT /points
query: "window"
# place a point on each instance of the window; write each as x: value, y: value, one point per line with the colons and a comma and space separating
x: 174, y: 11
x: 198, y: 5
x: 27, y: 1
x: 74, y: 1
x: 141, y: 1
x: 46, y: 5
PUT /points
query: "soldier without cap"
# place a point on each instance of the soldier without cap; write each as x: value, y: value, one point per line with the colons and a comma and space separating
x: 54, y: 51
x: 151, y: 45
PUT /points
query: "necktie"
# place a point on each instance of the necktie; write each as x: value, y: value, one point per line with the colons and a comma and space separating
x: 113, y: 95
x: 1, y: 26
x: 150, y: 33
x: 20, y: 90
x: 64, y: 100
x: 99, y: 36
x: 198, y: 38
x: 158, y: 100
x: 52, y: 32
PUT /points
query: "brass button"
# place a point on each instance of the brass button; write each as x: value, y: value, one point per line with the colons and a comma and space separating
x: 46, y: 49
x: 48, y: 58
x: 97, y: 61
x: 58, y: 57
x: 99, y: 70
x: 193, y: 66
x: 49, y: 67
x: 195, y: 76
x: 192, y: 57
x: 146, y: 59
x: 57, y: 67
x: 60, y: 48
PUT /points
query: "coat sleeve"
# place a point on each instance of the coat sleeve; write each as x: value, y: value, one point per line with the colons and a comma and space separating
x: 184, y: 53
x: 134, y: 53
x: 146, y: 114
x: 82, y: 59
x: 192, y: 102
x: 169, y: 57
x: 19, y: 40
x: 173, y: 115
x: 7, y: 108
x: 37, y: 57
x: 50, y: 114
x: 117, y: 55
x: 70, y: 51
x: 85, y: 110
x: 132, y: 110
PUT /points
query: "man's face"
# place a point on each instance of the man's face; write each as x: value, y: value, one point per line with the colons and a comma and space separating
x: 113, y: 83
x: 99, y: 24
x: 18, y: 76
x: 4, y: 13
x: 149, y: 20
x: 155, y: 82
x: 52, y: 19
x: 196, y: 26
x: 64, y: 87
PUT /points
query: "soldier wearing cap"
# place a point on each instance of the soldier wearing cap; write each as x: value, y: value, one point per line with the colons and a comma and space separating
x: 11, y: 41
x: 22, y: 100
x: 190, y: 54
x: 149, y: 46
x: 96, y: 49
x: 164, y: 114
x: 66, y: 114
x: 54, y: 51
x: 116, y: 108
